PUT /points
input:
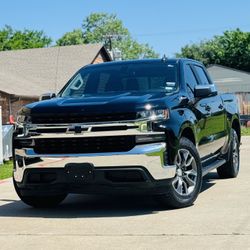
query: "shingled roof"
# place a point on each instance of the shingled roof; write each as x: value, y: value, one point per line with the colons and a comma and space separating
x: 229, y: 79
x: 31, y: 72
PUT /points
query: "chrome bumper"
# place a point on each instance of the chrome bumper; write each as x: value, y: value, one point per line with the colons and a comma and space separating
x: 150, y: 156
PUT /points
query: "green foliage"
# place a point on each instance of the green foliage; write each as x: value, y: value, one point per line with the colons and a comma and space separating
x: 231, y: 49
x: 6, y: 170
x: 15, y: 39
x: 98, y: 27
x: 131, y: 49
x: 71, y: 38
x: 245, y: 131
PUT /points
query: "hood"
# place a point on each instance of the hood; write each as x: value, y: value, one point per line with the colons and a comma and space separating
x: 99, y: 104
x: 99, y: 108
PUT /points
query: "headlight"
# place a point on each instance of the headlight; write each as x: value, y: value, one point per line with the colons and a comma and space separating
x: 23, y: 116
x: 21, y: 119
x: 159, y: 114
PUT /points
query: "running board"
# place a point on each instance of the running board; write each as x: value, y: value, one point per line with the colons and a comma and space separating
x: 212, y: 166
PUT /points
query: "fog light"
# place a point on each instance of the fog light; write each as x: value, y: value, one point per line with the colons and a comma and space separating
x: 20, y: 162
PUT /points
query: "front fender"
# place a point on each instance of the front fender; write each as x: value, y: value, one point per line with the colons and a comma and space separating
x: 174, y: 128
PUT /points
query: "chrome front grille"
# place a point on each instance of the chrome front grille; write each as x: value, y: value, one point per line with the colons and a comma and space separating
x: 82, y: 138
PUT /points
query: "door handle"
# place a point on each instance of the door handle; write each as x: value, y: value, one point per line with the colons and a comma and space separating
x: 205, y: 105
x: 221, y: 106
x: 208, y: 108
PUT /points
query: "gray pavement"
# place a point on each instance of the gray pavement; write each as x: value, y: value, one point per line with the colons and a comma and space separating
x: 219, y: 219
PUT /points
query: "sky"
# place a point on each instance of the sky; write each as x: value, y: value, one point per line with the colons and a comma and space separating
x: 163, y: 24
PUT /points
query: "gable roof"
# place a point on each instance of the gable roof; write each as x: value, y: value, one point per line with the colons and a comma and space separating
x: 229, y: 79
x: 32, y: 72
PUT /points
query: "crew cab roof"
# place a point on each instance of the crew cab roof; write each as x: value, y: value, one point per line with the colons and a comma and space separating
x: 170, y: 60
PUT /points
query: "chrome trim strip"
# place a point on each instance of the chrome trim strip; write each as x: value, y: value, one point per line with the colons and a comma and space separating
x: 59, y: 126
x: 104, y: 123
x: 90, y: 134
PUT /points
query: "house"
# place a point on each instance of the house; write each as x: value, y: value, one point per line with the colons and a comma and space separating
x: 229, y: 80
x: 26, y: 74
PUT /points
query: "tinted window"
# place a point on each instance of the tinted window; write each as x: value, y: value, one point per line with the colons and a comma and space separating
x: 202, y: 75
x: 190, y: 77
x: 123, y: 77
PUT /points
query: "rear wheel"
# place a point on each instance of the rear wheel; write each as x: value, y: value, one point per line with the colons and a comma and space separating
x: 184, y: 188
x: 231, y: 168
x: 40, y: 201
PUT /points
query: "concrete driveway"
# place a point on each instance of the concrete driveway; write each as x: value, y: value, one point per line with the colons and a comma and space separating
x: 219, y: 219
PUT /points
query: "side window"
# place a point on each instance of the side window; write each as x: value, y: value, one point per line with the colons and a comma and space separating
x: 103, y: 80
x: 190, y: 79
x: 202, y: 75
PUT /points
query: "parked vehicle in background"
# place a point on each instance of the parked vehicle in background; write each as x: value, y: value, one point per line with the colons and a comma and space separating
x: 143, y: 127
x: 7, y: 141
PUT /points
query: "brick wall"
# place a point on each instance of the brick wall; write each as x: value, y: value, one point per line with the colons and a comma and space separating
x: 100, y: 58
x: 10, y: 105
x: 4, y: 103
x: 16, y: 106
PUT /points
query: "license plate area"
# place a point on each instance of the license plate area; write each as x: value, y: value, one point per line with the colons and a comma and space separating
x: 79, y: 172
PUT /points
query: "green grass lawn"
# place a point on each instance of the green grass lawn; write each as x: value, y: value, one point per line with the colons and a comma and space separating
x: 245, y: 131
x: 6, y: 170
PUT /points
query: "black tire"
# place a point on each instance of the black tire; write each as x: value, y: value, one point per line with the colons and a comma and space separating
x: 40, y: 201
x: 231, y: 168
x: 173, y: 198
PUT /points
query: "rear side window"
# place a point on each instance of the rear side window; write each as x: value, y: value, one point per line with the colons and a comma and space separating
x: 202, y: 75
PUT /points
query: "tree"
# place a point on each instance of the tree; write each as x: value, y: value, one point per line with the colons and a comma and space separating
x: 231, y: 49
x: 109, y: 30
x: 71, y: 38
x: 98, y: 25
x: 15, y: 39
x: 131, y: 49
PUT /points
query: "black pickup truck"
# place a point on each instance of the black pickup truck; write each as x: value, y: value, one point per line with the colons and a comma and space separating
x: 152, y: 127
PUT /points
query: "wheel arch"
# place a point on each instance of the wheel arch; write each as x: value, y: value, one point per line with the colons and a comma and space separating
x: 187, y: 131
x: 236, y: 127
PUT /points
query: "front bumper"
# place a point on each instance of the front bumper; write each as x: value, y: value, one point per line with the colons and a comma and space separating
x: 150, y: 158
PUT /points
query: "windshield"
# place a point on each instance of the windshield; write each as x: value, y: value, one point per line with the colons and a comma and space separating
x: 122, y: 77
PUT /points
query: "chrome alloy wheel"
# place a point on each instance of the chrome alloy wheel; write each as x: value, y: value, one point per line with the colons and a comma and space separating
x: 235, y: 153
x: 186, y: 173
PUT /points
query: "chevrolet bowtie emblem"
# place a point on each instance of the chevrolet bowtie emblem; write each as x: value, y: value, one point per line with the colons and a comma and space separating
x: 77, y: 129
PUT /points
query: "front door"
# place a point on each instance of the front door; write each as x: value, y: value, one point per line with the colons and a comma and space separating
x: 212, y: 113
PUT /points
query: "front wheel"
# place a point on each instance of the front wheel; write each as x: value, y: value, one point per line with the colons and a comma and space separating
x: 184, y: 188
x: 40, y: 201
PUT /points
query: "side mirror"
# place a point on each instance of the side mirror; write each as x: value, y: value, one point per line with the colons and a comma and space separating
x: 47, y: 96
x: 203, y: 91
